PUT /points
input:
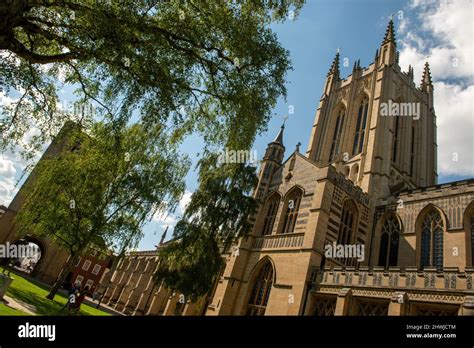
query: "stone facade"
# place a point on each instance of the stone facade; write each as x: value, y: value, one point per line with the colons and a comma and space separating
x: 368, y: 182
x: 133, y: 291
x: 52, y: 257
x: 366, y: 186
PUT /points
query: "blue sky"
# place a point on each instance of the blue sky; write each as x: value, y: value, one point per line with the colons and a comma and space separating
x: 357, y: 29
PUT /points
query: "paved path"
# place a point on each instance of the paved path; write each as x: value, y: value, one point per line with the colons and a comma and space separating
x: 19, y: 305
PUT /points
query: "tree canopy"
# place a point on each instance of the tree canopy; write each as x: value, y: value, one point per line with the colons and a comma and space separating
x: 156, y: 71
x: 216, y: 217
x: 212, y: 67
x: 102, y: 187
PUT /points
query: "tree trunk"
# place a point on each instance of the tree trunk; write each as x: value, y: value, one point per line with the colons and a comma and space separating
x: 67, y: 267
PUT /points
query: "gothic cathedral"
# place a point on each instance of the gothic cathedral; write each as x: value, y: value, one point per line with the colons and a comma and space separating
x: 358, y: 224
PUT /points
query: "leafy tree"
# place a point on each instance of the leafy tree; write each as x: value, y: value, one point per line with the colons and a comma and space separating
x: 101, y: 188
x: 216, y: 217
x: 212, y: 67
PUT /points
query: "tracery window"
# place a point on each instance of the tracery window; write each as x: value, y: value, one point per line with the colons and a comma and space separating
x: 472, y: 240
x: 360, y: 126
x: 347, y: 224
x: 261, y: 291
x: 390, y: 238
x: 432, y: 240
x: 292, y: 205
x: 336, y: 138
x: 395, y: 139
x: 271, y: 207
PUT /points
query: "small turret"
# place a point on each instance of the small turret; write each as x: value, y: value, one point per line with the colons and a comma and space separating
x: 388, y: 48
x: 427, y: 84
x: 333, y: 74
x: 275, y: 150
x: 270, y: 163
x: 426, y: 81
x: 162, y: 240
x: 389, y: 34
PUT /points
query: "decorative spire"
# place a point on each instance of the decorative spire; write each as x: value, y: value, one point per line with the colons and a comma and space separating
x: 298, y: 147
x: 389, y: 34
x: 356, y: 65
x: 279, y: 137
x: 164, y: 236
x: 426, y: 79
x: 397, y: 57
x: 410, y: 72
x: 335, y: 65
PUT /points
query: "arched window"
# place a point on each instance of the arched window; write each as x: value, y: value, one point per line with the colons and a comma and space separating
x: 336, y: 138
x: 292, y: 205
x: 412, y: 150
x: 268, y: 170
x: 348, y: 223
x: 395, y: 139
x: 271, y: 208
x: 261, y: 291
x: 389, y: 241
x: 432, y: 240
x: 472, y: 240
x: 360, y: 126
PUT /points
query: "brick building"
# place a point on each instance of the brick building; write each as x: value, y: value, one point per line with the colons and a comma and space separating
x: 90, y: 269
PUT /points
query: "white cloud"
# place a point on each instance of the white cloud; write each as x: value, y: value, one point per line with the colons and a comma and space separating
x: 170, y: 219
x: 455, y: 121
x: 5, y: 100
x: 7, y: 180
x: 165, y: 219
x: 183, y: 203
x: 444, y: 39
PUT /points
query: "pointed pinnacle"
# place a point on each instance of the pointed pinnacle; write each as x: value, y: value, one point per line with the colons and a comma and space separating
x: 426, y: 79
x: 335, y: 65
x: 410, y: 72
x: 389, y: 34
x: 279, y: 137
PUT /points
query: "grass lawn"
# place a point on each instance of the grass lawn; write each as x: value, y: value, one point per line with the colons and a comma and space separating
x: 5, y: 310
x: 34, y: 293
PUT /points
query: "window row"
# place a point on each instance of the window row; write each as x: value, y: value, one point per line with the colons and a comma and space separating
x: 430, y: 242
x: 87, y: 265
x: 347, y: 224
x: 290, y: 211
x: 89, y: 283
x: 359, y: 132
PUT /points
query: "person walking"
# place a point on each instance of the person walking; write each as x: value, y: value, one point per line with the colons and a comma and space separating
x: 75, y: 306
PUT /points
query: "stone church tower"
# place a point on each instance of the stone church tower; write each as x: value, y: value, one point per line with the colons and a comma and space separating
x: 381, y: 155
x: 358, y: 224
